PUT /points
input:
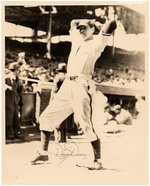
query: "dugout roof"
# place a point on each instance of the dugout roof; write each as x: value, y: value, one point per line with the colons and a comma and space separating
x: 37, y: 17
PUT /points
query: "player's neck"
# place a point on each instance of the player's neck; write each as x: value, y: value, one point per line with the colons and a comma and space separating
x: 89, y: 38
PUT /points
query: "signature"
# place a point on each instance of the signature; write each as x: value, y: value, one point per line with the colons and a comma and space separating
x: 64, y: 151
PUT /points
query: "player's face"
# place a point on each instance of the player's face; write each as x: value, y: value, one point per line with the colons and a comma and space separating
x: 86, y: 32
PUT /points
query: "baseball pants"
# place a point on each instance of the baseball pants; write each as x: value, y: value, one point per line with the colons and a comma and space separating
x: 73, y: 97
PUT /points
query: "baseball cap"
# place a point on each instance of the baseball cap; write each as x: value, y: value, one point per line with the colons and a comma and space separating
x: 86, y: 22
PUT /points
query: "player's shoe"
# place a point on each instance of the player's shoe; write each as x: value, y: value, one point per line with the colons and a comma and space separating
x: 39, y: 158
x: 96, y: 166
x: 92, y: 166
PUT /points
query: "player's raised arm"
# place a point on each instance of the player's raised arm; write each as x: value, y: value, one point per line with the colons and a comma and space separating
x: 108, y: 27
x: 74, y: 23
x: 74, y: 32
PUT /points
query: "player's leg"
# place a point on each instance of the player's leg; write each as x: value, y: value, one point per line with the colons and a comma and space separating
x: 46, y: 133
x: 42, y: 154
x: 83, y: 113
x: 55, y: 113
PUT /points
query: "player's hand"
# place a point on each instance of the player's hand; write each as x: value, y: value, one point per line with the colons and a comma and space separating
x: 110, y: 26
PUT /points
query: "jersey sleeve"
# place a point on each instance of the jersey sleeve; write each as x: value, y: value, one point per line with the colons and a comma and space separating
x: 101, y: 41
x: 74, y: 35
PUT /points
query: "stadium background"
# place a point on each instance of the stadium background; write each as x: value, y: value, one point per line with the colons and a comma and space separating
x: 31, y: 28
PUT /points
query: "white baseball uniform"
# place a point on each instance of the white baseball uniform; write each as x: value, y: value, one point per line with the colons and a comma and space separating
x: 76, y: 93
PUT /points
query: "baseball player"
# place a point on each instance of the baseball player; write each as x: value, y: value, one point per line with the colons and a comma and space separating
x: 122, y: 116
x: 76, y: 93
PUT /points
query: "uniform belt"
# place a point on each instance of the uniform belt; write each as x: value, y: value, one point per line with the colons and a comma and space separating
x: 72, y: 77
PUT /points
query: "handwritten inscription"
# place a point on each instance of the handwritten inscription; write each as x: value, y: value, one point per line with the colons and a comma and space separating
x: 63, y: 151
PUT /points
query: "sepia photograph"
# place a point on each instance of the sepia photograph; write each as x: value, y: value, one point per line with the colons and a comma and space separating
x: 75, y: 92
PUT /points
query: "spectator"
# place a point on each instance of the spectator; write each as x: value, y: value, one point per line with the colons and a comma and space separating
x: 58, y: 80
x: 21, y: 58
x: 13, y: 94
x: 122, y: 116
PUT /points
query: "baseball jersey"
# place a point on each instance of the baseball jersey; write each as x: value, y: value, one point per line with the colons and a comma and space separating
x: 84, y: 54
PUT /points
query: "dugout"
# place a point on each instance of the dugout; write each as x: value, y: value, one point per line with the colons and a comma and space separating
x: 33, y: 104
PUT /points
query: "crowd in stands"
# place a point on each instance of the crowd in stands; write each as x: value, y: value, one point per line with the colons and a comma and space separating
x: 32, y: 71
x: 40, y: 68
x: 120, y: 78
